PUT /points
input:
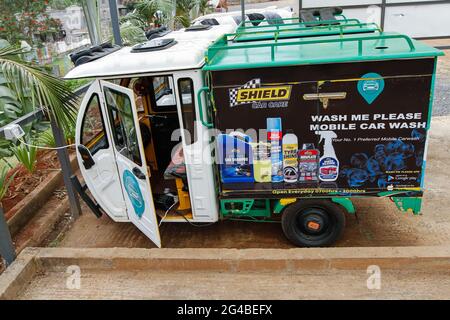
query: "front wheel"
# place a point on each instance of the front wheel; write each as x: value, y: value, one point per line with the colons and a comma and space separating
x: 313, y: 223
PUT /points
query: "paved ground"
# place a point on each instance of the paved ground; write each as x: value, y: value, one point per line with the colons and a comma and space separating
x: 441, y: 105
x: 307, y: 273
x: 336, y: 284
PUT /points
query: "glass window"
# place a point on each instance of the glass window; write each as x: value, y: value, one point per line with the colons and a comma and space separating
x: 186, y: 95
x: 93, y: 134
x: 164, y: 96
x: 123, y: 128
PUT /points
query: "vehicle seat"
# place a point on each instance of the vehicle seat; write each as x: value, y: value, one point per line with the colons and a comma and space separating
x: 177, y: 166
x: 177, y: 170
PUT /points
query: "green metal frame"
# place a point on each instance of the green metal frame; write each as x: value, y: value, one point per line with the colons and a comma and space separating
x: 406, y: 204
x: 221, y: 44
x: 321, y: 30
x: 200, y: 107
x: 248, y: 208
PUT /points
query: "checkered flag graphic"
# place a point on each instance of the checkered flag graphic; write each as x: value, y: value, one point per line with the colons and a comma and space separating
x: 252, y: 84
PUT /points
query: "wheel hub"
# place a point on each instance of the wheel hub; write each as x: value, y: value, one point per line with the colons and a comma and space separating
x: 313, y: 221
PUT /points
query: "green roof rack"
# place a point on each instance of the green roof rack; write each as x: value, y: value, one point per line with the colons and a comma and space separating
x: 280, y: 31
x: 227, y: 53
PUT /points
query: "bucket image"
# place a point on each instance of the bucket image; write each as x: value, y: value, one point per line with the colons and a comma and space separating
x: 236, y: 157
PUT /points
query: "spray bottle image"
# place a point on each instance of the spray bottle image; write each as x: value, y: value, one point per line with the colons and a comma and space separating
x: 276, y: 154
x: 308, y: 163
x: 290, y: 160
x: 328, y: 163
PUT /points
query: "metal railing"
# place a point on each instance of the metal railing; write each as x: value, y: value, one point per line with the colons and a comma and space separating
x: 222, y: 43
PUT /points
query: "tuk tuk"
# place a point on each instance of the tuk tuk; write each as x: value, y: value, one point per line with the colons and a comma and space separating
x: 285, y: 121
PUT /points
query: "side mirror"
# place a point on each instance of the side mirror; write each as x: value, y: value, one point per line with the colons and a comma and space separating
x: 88, y: 161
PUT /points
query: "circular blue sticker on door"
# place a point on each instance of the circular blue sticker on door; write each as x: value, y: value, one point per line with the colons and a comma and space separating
x: 134, y: 192
x: 370, y: 86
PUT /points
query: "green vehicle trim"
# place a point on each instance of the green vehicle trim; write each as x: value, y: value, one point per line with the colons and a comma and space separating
x: 245, y: 207
x: 346, y: 203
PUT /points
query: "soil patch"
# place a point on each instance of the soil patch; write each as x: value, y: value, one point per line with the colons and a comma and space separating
x: 25, y: 182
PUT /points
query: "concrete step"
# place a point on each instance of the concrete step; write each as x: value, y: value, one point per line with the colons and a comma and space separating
x: 324, y: 273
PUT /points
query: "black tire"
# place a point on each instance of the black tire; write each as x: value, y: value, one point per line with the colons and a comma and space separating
x: 313, y: 223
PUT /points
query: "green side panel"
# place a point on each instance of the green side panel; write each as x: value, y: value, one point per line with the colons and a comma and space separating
x: 346, y: 203
x: 406, y: 204
x: 245, y: 207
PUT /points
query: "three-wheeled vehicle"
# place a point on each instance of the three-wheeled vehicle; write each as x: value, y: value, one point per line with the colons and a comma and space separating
x: 282, y: 121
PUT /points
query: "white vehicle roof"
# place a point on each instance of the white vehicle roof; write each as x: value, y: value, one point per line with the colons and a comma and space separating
x: 187, y: 53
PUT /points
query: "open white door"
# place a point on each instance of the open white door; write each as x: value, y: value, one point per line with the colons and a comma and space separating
x: 96, y: 156
x: 111, y: 156
x: 126, y: 138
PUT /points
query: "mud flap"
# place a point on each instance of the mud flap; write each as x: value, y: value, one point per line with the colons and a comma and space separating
x: 407, y: 204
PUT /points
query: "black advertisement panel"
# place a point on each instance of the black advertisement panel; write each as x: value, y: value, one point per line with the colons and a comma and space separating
x: 349, y: 128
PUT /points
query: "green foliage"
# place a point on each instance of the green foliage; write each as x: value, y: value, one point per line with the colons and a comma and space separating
x: 22, y: 20
x: 69, y: 134
x: 5, y: 149
x: 46, y: 139
x: 5, y: 181
x: 131, y: 34
x: 74, y: 84
x: 184, y: 11
x: 26, y: 155
x: 30, y: 87
x: 143, y: 16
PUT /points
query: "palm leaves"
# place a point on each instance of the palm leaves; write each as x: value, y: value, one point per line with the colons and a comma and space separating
x: 26, y: 155
x: 5, y: 181
x: 177, y: 13
x: 35, y: 88
x: 132, y: 34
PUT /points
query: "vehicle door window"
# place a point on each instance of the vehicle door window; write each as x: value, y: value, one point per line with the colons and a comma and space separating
x: 186, y: 96
x: 163, y: 93
x: 93, y: 134
x: 121, y: 118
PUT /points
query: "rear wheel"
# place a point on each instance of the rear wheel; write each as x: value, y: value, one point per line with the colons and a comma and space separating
x: 313, y: 223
